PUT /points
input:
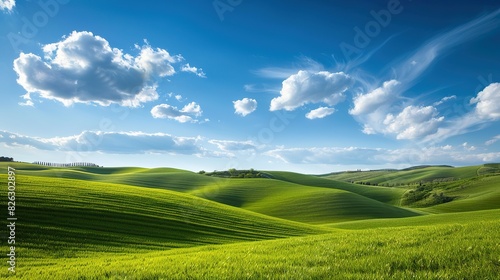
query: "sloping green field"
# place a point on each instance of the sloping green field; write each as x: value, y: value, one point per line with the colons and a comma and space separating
x: 165, y: 223
x: 301, y: 203
x: 446, y: 251
x: 55, y: 212
x: 411, y: 176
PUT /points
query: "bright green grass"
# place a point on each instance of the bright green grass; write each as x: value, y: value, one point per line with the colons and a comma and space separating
x: 301, y: 203
x: 408, y: 176
x: 67, y: 217
x: 382, y: 194
x: 326, y: 203
x: 448, y: 251
x: 462, y: 218
x: 73, y: 229
x: 186, y: 181
x: 478, y: 194
x: 165, y: 178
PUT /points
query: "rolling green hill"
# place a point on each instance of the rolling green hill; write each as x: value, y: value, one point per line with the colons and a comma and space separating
x: 299, y: 202
x: 468, y: 250
x: 481, y: 193
x: 412, y: 176
x: 382, y: 194
x: 321, y: 200
x: 70, y: 215
x: 165, y: 223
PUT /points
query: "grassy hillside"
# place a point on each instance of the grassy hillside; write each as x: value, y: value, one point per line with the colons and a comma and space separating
x: 439, y: 251
x: 298, y: 202
x: 462, y: 218
x: 382, y: 194
x: 65, y: 217
x: 165, y: 178
x: 480, y: 193
x: 164, y: 223
x: 411, y: 176
x: 320, y: 200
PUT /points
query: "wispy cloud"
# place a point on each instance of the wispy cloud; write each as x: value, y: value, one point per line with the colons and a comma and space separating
x: 493, y: 140
x: 455, y: 155
x: 486, y: 111
x: 320, y: 113
x: 413, y: 66
x: 304, y: 63
x: 233, y: 146
x: 191, y: 69
x: 378, y: 107
x: 444, y: 100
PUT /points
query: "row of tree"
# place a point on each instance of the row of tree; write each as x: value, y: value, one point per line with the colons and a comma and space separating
x: 6, y: 159
x: 73, y: 164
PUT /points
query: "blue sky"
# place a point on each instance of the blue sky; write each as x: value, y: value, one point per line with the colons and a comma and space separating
x: 308, y: 86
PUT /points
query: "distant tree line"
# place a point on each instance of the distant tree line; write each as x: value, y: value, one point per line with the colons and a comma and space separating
x: 73, y: 164
x: 233, y: 173
x: 6, y: 159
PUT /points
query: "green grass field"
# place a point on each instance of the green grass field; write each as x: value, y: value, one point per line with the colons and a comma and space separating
x: 165, y: 223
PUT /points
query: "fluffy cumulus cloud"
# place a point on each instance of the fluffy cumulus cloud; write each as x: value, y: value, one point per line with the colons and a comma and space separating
x: 84, y: 68
x: 228, y: 145
x: 197, y: 71
x: 376, y: 99
x: 311, y: 87
x: 320, y: 113
x: 7, y: 5
x: 487, y: 102
x: 413, y: 122
x: 189, y: 113
x: 244, y: 106
x: 108, y: 142
x: 486, y: 110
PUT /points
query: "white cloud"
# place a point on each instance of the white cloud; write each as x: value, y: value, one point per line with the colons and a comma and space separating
x: 188, y: 113
x: 311, y: 87
x: 304, y: 63
x: 108, y: 142
x: 7, y: 5
x: 197, y: 71
x: 377, y: 156
x: 320, y: 113
x: 372, y: 101
x: 228, y: 145
x: 492, y: 141
x: 84, y: 68
x: 487, y: 102
x: 413, y: 122
x: 244, y: 106
x: 445, y: 99
x: 178, y: 97
x: 486, y: 111
x: 372, y: 109
x: 468, y: 147
x: 424, y: 56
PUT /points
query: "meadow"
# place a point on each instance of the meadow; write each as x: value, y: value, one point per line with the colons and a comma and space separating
x: 166, y: 223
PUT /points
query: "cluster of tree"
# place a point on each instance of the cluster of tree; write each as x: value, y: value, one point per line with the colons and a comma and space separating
x: 74, y: 164
x: 6, y: 159
x: 424, y: 196
x: 366, y: 183
x: 233, y: 173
